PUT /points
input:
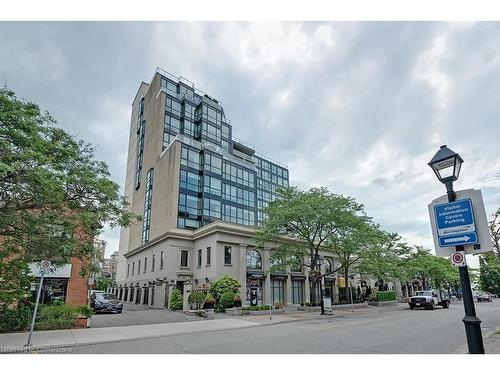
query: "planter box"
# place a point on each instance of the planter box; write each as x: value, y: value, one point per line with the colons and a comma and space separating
x: 383, y: 303
x: 349, y: 306
x: 262, y: 312
x: 83, y: 323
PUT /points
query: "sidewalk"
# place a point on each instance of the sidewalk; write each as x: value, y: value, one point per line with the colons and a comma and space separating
x: 12, y: 342
x: 492, y: 344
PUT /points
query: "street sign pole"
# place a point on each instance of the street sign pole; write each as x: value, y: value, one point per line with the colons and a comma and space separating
x: 36, y: 308
x: 471, y: 322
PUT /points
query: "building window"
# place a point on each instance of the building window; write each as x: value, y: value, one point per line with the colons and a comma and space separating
x: 227, y: 255
x: 199, y: 257
x: 190, y: 158
x: 184, y: 258
x: 145, y: 264
x: 189, y: 205
x: 212, y: 163
x: 278, y: 291
x: 254, y: 260
x: 297, y: 291
x: 209, y: 255
x: 141, y: 124
x: 162, y: 258
x: 212, y: 185
x: 133, y: 268
x: 153, y: 263
x: 148, y: 198
x: 211, y: 208
x: 128, y: 270
x: 190, y: 181
x: 139, y: 267
x: 327, y: 264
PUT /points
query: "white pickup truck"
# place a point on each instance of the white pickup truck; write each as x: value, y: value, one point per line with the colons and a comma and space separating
x: 429, y: 299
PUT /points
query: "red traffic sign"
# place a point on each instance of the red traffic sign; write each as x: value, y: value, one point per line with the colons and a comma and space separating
x: 458, y: 259
x: 45, y: 266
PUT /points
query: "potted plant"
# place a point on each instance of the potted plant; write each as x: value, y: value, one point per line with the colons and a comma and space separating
x: 209, y: 302
x: 84, y: 314
x: 237, y: 301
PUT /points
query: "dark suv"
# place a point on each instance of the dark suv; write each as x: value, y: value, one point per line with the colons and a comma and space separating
x: 101, y: 302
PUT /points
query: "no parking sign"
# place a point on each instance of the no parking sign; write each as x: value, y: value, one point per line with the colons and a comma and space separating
x: 458, y: 259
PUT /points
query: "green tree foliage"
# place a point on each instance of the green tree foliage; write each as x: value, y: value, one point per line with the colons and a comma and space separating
x: 224, y: 284
x: 54, y: 197
x: 433, y: 271
x: 489, y: 273
x: 103, y: 283
x: 495, y: 232
x: 383, y: 260
x: 305, y: 223
x: 176, y: 299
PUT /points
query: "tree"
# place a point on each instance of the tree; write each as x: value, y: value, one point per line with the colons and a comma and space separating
x: 495, y: 232
x: 103, y: 283
x: 433, y: 271
x: 305, y: 223
x: 54, y: 197
x: 489, y: 273
x: 384, y: 259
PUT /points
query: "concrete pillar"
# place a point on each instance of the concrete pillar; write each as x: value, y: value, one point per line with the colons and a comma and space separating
x: 170, y: 287
x: 266, y: 265
x: 242, y: 273
x: 288, y: 290
x: 143, y: 295
x: 307, y: 287
x: 188, y: 288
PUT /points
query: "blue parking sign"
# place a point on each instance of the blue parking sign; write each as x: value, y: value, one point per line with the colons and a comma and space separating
x: 455, y: 223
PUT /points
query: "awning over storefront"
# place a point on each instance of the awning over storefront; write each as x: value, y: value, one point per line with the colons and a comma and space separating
x: 61, y: 272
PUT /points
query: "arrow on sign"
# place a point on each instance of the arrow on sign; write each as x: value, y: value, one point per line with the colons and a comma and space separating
x: 456, y: 239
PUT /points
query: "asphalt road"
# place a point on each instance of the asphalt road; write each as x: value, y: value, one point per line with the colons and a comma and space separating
x: 369, y: 331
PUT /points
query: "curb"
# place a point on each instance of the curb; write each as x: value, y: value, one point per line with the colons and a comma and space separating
x: 463, y: 349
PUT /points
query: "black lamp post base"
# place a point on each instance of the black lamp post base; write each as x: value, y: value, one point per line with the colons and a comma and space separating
x: 474, y: 335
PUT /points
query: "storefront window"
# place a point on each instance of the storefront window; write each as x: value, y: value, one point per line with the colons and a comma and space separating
x: 278, y: 291
x: 298, y: 291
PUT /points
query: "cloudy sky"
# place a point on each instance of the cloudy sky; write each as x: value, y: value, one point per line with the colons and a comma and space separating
x: 357, y: 107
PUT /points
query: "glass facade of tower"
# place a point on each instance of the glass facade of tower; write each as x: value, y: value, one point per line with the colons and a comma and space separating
x: 220, y: 178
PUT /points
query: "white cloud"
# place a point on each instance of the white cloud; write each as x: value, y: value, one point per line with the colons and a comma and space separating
x: 358, y: 107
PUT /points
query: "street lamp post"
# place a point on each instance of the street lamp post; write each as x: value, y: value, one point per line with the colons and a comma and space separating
x: 446, y: 165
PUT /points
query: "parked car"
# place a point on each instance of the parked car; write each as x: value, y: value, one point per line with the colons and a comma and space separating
x: 485, y: 297
x: 102, y: 302
x: 429, y: 299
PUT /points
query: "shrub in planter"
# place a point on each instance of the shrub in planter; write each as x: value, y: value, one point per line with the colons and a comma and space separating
x: 278, y: 306
x: 197, y: 298
x: 385, y: 296
x: 255, y: 308
x: 15, y: 319
x: 223, y: 285
x: 57, y: 317
x: 237, y: 301
x: 176, y: 299
x: 209, y: 301
x: 85, y: 311
x: 225, y: 301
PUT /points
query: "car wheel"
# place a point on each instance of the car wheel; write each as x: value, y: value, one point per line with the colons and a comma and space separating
x: 432, y: 305
x: 412, y: 307
x: 446, y: 304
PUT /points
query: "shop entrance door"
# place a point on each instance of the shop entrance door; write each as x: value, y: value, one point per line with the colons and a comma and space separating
x: 253, y: 296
